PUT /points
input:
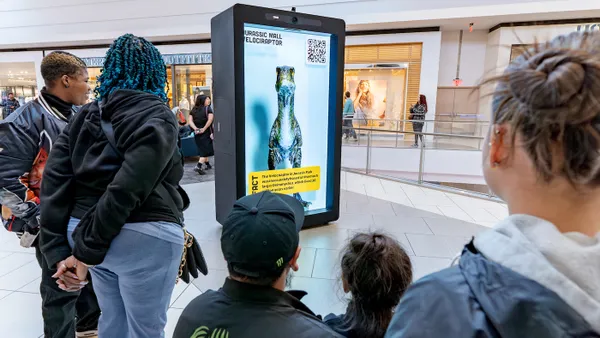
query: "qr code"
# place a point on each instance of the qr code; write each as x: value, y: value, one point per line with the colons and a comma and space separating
x: 316, y: 51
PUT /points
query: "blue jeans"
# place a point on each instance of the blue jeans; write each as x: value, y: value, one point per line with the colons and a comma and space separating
x: 135, y: 281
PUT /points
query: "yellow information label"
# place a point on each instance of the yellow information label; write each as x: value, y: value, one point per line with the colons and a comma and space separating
x: 285, y: 181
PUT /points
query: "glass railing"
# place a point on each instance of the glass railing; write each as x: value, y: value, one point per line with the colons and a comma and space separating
x: 443, y: 161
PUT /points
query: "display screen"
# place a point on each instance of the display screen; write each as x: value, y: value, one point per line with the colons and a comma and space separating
x: 290, y: 113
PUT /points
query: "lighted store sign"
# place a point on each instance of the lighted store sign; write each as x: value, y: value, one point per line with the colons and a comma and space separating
x: 170, y: 59
x: 588, y: 27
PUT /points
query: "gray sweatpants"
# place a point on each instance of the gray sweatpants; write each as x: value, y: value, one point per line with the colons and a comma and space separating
x: 134, y: 284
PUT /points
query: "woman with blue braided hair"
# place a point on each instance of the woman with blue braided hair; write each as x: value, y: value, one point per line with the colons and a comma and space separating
x: 112, y: 185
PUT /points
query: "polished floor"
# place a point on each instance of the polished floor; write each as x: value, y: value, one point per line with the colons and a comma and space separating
x: 431, y: 225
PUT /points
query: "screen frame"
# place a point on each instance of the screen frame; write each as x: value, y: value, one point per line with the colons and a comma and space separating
x: 245, y: 14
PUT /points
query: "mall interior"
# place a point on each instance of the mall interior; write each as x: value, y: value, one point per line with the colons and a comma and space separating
x: 433, y: 198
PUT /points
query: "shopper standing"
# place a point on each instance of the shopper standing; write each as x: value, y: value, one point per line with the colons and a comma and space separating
x: 417, y: 113
x: 10, y: 105
x: 111, y: 192
x: 26, y: 139
x: 348, y: 115
x: 201, y: 119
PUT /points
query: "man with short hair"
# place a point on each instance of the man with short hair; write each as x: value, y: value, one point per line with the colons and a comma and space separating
x: 26, y: 139
x: 10, y: 105
x: 260, y: 243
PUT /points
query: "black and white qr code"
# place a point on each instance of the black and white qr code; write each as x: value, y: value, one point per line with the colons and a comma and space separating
x: 316, y: 51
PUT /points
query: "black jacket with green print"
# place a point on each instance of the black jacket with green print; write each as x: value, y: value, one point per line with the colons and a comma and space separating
x: 240, y: 310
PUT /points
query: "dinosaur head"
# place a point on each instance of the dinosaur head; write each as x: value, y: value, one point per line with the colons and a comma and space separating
x: 285, y: 80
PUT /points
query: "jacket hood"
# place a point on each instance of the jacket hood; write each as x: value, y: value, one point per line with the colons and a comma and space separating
x: 567, y: 264
x: 123, y: 104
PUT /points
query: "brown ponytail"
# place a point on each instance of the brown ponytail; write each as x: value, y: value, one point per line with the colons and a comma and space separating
x: 377, y: 271
x: 550, y: 96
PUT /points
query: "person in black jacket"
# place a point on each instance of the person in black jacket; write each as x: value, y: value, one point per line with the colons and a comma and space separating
x: 102, y: 206
x: 260, y: 244
x: 10, y: 105
x: 417, y: 113
x: 26, y: 138
x: 537, y: 272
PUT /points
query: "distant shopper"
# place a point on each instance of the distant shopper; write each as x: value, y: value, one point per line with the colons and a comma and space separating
x: 348, y: 117
x: 10, y: 105
x: 376, y: 271
x: 260, y: 244
x: 417, y: 113
x: 537, y: 273
x: 26, y: 139
x: 111, y: 193
x: 201, y: 120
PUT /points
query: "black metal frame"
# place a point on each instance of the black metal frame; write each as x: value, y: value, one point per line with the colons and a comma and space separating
x: 229, y: 101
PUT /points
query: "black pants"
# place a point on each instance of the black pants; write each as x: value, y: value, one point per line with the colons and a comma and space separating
x: 418, y: 129
x: 64, y: 312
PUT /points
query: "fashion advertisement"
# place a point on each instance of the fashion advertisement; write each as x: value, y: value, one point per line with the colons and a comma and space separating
x: 287, y: 104
x: 378, y: 96
x: 369, y: 97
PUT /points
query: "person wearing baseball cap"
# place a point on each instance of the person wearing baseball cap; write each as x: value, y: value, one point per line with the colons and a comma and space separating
x: 260, y: 242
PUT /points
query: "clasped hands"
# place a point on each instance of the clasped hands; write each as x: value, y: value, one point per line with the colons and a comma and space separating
x: 71, y: 274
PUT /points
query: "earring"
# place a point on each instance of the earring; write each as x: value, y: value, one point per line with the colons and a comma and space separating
x: 66, y: 86
x: 497, y: 132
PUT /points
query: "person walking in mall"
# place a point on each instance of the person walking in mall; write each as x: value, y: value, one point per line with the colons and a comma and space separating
x: 201, y: 119
x: 10, y: 105
x: 111, y: 194
x: 417, y: 113
x: 537, y: 272
x: 348, y: 115
x: 26, y: 139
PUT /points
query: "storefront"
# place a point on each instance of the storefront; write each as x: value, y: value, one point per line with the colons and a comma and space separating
x: 385, y: 74
x: 188, y: 75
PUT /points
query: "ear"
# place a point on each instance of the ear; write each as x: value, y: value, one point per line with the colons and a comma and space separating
x: 499, y: 146
x: 345, y: 285
x: 64, y: 80
x: 294, y: 261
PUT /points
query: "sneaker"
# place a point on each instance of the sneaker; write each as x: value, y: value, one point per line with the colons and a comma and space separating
x: 208, y: 166
x: 415, y: 146
x: 87, y: 334
x: 199, y: 170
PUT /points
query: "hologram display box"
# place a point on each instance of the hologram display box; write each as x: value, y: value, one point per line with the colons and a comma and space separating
x: 278, y: 95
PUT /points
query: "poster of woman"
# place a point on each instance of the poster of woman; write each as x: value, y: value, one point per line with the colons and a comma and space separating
x: 369, y: 97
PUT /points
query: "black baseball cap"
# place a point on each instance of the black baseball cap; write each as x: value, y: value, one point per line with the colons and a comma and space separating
x: 261, y: 234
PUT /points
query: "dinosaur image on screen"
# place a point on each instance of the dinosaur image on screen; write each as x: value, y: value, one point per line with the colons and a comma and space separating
x: 285, y: 140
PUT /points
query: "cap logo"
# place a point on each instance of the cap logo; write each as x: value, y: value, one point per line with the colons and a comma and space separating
x: 279, y: 262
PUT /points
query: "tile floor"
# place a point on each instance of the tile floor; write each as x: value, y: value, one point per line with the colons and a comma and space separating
x: 431, y: 225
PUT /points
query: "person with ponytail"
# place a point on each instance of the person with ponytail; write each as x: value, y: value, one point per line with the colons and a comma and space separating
x: 537, y: 272
x: 111, y: 200
x: 375, y: 271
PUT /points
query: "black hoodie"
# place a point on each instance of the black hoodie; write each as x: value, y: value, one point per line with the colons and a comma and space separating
x: 86, y: 179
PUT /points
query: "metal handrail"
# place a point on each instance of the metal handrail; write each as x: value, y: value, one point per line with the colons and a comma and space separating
x: 420, y: 181
x: 438, y: 121
x: 418, y: 133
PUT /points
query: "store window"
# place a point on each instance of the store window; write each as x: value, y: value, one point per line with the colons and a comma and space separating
x: 391, y: 76
x: 94, y: 73
x: 18, y: 78
x: 190, y: 81
x: 188, y: 75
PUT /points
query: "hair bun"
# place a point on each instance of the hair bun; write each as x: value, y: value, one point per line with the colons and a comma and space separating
x: 549, y: 79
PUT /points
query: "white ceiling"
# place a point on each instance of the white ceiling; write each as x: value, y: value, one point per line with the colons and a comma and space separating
x: 17, y: 74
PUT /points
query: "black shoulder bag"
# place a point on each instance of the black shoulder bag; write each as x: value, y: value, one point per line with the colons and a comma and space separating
x: 192, y: 259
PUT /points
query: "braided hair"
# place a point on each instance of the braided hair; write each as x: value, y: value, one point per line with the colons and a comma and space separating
x: 133, y: 63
